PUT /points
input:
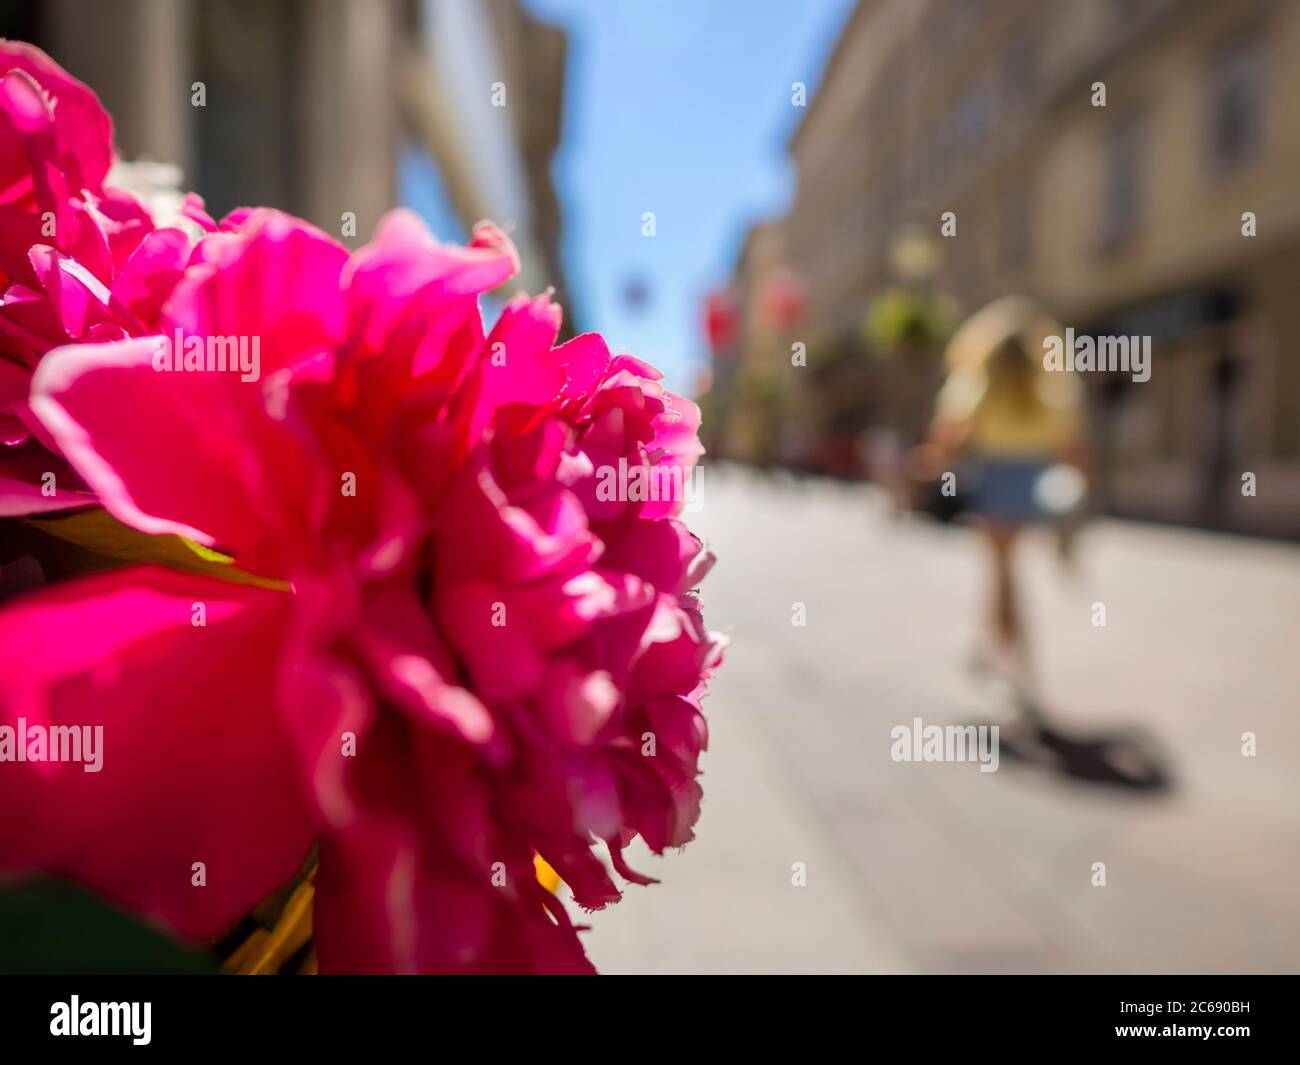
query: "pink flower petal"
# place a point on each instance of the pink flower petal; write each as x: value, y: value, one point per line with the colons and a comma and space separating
x: 83, y: 129
x: 194, y: 767
x: 35, y: 481
x: 190, y: 453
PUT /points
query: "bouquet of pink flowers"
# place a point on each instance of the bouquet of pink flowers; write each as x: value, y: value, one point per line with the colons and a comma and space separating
x: 360, y: 611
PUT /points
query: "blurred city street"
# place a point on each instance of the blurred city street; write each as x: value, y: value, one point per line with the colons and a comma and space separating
x: 936, y: 867
x: 1054, y: 244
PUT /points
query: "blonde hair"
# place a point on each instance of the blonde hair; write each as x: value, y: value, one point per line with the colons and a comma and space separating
x: 992, y: 363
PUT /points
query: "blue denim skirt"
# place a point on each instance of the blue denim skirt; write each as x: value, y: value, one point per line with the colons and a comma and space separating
x: 1005, y: 489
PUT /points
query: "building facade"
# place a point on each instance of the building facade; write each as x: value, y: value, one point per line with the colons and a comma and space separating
x: 334, y: 110
x: 1133, y: 165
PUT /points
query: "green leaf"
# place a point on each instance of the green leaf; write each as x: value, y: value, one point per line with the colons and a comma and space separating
x: 94, y: 529
x: 51, y: 927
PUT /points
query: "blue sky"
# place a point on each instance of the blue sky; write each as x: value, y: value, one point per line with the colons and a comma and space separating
x: 680, y: 107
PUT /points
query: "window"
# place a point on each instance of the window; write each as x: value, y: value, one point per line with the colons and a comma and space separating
x: 1123, y: 183
x: 1020, y: 70
x: 1015, y: 237
x: 975, y: 114
x: 1237, y: 102
x: 247, y: 141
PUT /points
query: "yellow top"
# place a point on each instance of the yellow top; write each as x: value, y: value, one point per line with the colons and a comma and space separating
x: 1034, y: 415
x: 1002, y: 424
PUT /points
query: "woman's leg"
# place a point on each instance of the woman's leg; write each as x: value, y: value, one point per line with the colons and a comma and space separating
x: 1008, y: 638
x: 1007, y: 633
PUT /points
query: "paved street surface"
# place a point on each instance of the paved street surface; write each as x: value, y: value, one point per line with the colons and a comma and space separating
x: 936, y: 867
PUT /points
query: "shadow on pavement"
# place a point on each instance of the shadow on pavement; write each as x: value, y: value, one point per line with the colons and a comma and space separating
x: 1127, y: 759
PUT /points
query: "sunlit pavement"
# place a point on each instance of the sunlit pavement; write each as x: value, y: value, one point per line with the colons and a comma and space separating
x: 936, y: 867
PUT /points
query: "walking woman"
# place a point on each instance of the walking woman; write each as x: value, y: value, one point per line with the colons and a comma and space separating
x: 1011, y: 433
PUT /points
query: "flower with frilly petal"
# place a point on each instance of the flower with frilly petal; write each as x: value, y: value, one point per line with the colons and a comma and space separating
x: 455, y: 651
x: 79, y: 259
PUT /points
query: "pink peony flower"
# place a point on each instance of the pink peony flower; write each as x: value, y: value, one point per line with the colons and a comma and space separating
x: 78, y: 260
x: 461, y: 655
